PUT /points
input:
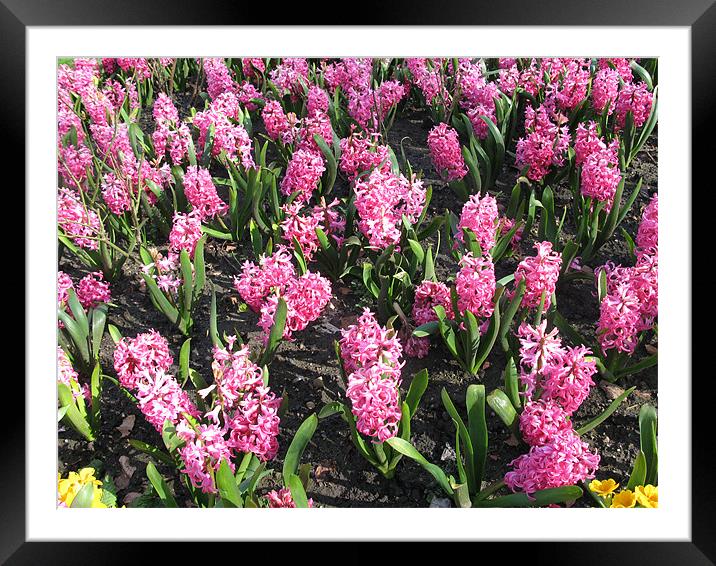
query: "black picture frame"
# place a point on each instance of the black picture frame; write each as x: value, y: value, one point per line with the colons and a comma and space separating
x: 698, y: 15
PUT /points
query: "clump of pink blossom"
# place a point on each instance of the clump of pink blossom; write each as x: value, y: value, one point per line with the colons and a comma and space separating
x: 381, y: 200
x: 361, y: 152
x: 540, y: 273
x: 202, y: 453
x: 565, y: 460
x: 257, y: 282
x: 446, y: 153
x: 303, y: 174
x: 146, y: 354
x: 601, y: 174
x: 605, y: 89
x: 230, y: 136
x: 634, y: 98
x: 171, y: 134
x: 290, y: 76
x: 428, y: 294
x: 475, y: 285
x: 371, y: 356
x: 201, y: 193
x: 185, y: 233
x: 647, y: 237
x: 218, y: 78
x: 279, y: 125
x: 92, y: 290
x: 254, y: 427
x: 479, y: 215
x: 282, y: 498
x: 544, y: 144
x: 542, y: 420
x: 79, y: 222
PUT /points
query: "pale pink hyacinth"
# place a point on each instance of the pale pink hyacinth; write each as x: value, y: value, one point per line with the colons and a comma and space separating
x: 116, y: 194
x: 290, y: 76
x: 538, y: 350
x: 170, y: 134
x: 134, y: 358
x: 601, y: 175
x: 475, y: 285
x: 361, y: 152
x: 218, y: 77
x: 64, y: 284
x: 647, y: 237
x: 282, y: 498
x: 371, y: 357
x: 186, y: 232
x: 279, y: 126
x: 428, y: 294
x: 631, y: 303
x: 234, y: 374
x: 305, y: 296
x: 540, y: 273
x: 81, y: 224
x: 273, y: 273
x: 568, y: 382
x: 303, y: 174
x: 202, y: 455
x: 161, y: 399
x: 446, y: 153
x: 92, y: 290
x: 381, y: 201
x: 544, y: 144
x: 605, y: 89
x: 229, y: 136
x: 542, y: 420
x: 67, y: 375
x: 565, y: 460
x: 634, y: 98
x: 621, y: 65
x: 254, y: 427
x: 479, y: 215
x: 201, y: 193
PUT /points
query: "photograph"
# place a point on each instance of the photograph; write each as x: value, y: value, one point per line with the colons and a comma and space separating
x: 357, y: 282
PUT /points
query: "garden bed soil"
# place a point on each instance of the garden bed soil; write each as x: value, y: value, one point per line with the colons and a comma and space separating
x: 307, y: 372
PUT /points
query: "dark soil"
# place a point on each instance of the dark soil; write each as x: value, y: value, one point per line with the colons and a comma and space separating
x: 307, y: 372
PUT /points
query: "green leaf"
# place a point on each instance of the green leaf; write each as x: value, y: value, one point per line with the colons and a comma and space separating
x: 226, y: 484
x: 477, y: 427
x: 84, y: 498
x: 409, y: 450
x: 276, y: 333
x: 613, y: 406
x: 213, y: 324
x: 297, y: 491
x: 638, y: 472
x: 298, y: 445
x: 187, y: 283
x: 114, y: 333
x: 648, y: 442
x: 427, y: 329
x: 72, y: 414
x: 184, y: 354
x: 538, y: 499
x: 99, y: 321
x: 501, y: 404
x: 160, y: 486
x: 415, y: 392
x: 465, y: 438
x: 199, y: 269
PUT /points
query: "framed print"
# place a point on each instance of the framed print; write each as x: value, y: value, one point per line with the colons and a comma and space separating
x: 401, y: 279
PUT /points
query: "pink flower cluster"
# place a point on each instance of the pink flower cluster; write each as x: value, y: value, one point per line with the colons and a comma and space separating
x: 647, y: 237
x: 544, y: 144
x: 371, y: 357
x: 445, y: 151
x: 218, y: 78
x: 186, y: 232
x: 600, y: 174
x: 477, y: 96
x: 479, y: 215
x: 634, y: 98
x: 381, y: 201
x: 631, y: 304
x: 229, y: 135
x: 303, y: 227
x: 67, y: 375
x: 565, y: 460
x: 279, y: 126
x: 303, y: 174
x: 605, y: 88
x: 555, y: 373
x: 428, y: 78
x: 540, y: 273
x: 79, y: 222
x: 428, y: 295
x: 573, y: 83
x: 116, y: 194
x: 165, y: 271
x: 91, y: 291
x: 282, y: 498
x: 170, y: 133
x: 201, y: 193
x: 475, y: 285
x: 361, y: 153
x: 290, y: 76
x: 261, y: 286
x: 620, y: 65
x: 558, y: 380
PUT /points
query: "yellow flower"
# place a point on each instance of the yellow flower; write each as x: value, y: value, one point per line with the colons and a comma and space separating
x: 603, y: 488
x: 68, y: 488
x: 647, y: 496
x: 624, y: 499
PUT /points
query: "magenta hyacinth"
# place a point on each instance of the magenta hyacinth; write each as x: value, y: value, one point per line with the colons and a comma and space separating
x: 446, y: 152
